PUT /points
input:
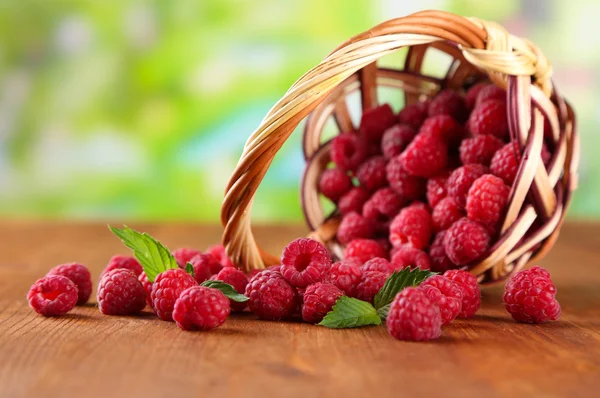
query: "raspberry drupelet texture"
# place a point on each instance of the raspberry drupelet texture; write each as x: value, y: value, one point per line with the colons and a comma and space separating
x: 166, y: 289
x: 363, y: 250
x: 406, y: 256
x: 425, y: 156
x: 79, y: 275
x: 505, y: 163
x: 491, y: 92
x: 353, y: 201
x: 412, y: 226
x: 271, y: 297
x: 348, y: 151
x: 446, y: 213
x: 413, y: 114
x: 354, y: 226
x: 334, y: 183
x: 449, y: 102
x: 446, y: 294
x: 414, y: 317
x: 378, y: 264
x: 407, y: 186
x: 371, y: 174
x: 218, y: 252
x: 529, y: 297
x: 318, y: 300
x: 304, y: 261
x: 445, y: 128
x: 473, y: 93
x: 238, y: 280
x: 120, y: 293
x: 125, y: 262
x: 53, y: 295
x: 370, y: 283
x: 395, y: 139
x: 346, y: 275
x: 487, y: 200
x: 147, y: 285
x: 471, y: 295
x: 466, y: 241
x: 436, y: 188
x: 184, y: 254
x: 479, y: 149
x: 489, y: 118
x: 437, y: 254
x: 461, y: 180
x: 375, y: 121
x: 200, y: 308
x: 205, y: 266
x: 382, y: 206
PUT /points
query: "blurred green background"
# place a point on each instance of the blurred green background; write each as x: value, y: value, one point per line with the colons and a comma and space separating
x: 140, y: 109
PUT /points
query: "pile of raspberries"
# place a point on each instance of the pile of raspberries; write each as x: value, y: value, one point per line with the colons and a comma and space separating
x: 428, y: 186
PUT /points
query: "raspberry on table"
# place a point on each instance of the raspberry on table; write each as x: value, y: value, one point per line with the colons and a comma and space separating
x: 479, y: 149
x: 395, y: 139
x: 407, y: 186
x: 446, y: 213
x: 436, y: 188
x: 449, y: 102
x: 205, y: 266
x: 346, y: 275
x: 471, y: 295
x: 166, y: 289
x: 414, y: 317
x: 238, y: 280
x: 378, y: 264
x: 489, y: 118
x: 271, y: 297
x: 354, y: 226
x: 406, y: 256
x: 53, y: 295
x: 363, y: 250
x: 529, y: 296
x: 370, y: 283
x: 371, y: 174
x: 473, y: 93
x: 334, y: 183
x: 120, y: 293
x: 201, y: 308
x: 353, y: 201
x: 437, y: 254
x: 382, y: 206
x: 425, y: 156
x: 348, y: 151
x: 491, y: 92
x: 147, y: 285
x: 413, y: 114
x: 446, y: 293
x: 218, y: 252
x: 318, y: 299
x: 466, y: 241
x: 183, y: 255
x: 125, y: 262
x: 375, y: 121
x: 304, y: 261
x: 505, y: 162
x: 412, y: 226
x: 445, y: 128
x: 487, y: 200
x: 79, y: 275
x: 461, y: 180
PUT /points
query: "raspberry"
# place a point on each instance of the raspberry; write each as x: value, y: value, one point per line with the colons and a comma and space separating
x: 449, y: 102
x: 370, y: 283
x: 461, y: 180
x: 446, y: 213
x: 218, y: 252
x: 238, y: 280
x: 529, y: 297
x: 353, y: 201
x: 205, y: 266
x: 364, y: 250
x: 436, y: 188
x: 445, y: 128
x: 354, y: 226
x: 471, y: 295
x: 505, y: 163
x: 120, y: 293
x: 334, y: 183
x: 375, y: 121
x: 383, y: 205
x: 425, y: 156
x: 273, y: 268
x: 183, y: 255
x: 491, y: 92
x: 319, y: 299
x: 125, y: 262
x: 371, y: 174
x: 304, y: 262
x: 166, y: 289
x: 395, y: 139
x: 473, y: 93
x: 270, y: 296
x: 79, y: 275
x: 479, y: 149
x: 346, y: 275
x: 147, y: 285
x: 489, y: 118
x: 487, y: 199
x: 437, y: 254
x: 406, y: 256
x: 407, y: 186
x: 446, y: 294
x: 411, y: 226
x: 201, y: 308
x: 348, y: 151
x: 466, y: 241
x: 413, y: 114
x: 378, y: 264
x: 53, y: 295
x: 413, y: 316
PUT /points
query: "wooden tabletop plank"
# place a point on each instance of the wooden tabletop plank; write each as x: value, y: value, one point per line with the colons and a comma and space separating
x: 87, y: 354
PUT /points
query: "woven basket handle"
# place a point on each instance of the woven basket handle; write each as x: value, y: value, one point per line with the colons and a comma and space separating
x: 484, y: 44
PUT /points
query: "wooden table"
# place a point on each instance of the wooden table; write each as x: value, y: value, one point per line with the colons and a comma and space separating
x: 87, y: 354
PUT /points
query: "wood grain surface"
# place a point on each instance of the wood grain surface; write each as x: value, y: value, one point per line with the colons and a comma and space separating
x: 87, y: 354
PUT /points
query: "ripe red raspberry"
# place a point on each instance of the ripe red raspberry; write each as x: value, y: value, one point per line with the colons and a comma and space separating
x: 425, y: 156
x: 375, y: 121
x: 205, y: 266
x: 489, y: 118
x: 395, y: 139
x: 479, y: 149
x: 471, y: 295
x: 436, y: 188
x: 466, y: 241
x: 437, y: 254
x: 147, y: 285
x: 371, y: 174
x: 413, y: 316
x: 382, y: 206
x: 166, y: 289
x: 406, y: 256
x: 200, y: 308
x: 411, y: 226
x: 218, y: 252
x: 353, y: 201
x: 53, y: 295
x: 348, y: 151
x: 319, y: 299
x: 334, y: 183
x: 445, y: 128
x: 304, y: 262
x: 378, y: 264
x: 270, y: 296
x: 79, y: 275
x: 505, y: 163
x: 183, y: 255
x: 446, y: 213
x: 446, y: 294
x: 487, y: 200
x: 461, y: 180
x: 529, y: 297
x: 238, y: 280
x: 408, y: 187
x: 370, y: 283
x: 354, y: 226
x: 491, y: 92
x: 414, y: 114
x: 473, y: 93
x: 346, y: 275
x: 125, y: 262
x: 120, y: 293
x: 449, y: 102
x: 364, y: 250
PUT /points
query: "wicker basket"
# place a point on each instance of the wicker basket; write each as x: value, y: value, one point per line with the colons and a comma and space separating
x: 480, y: 50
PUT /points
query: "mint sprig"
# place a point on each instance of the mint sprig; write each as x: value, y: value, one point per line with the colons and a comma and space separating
x: 226, y: 289
x: 350, y: 313
x: 189, y: 268
x: 394, y: 284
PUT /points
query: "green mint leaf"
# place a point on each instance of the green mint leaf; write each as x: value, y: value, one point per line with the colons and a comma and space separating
x: 394, y: 284
x: 189, y: 268
x: 226, y: 289
x: 350, y: 313
x: 152, y: 255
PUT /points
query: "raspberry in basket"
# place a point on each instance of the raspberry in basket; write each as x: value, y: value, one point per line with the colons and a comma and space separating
x: 471, y: 295
x: 446, y: 294
x: 79, y: 275
x: 505, y: 163
x: 378, y: 264
x: 382, y: 206
x: 407, y: 186
x: 370, y: 283
x: 120, y: 293
x: 53, y: 295
x: 437, y: 254
x: 353, y: 201
x: 426, y: 156
x: 346, y: 275
x: 446, y: 213
x: 414, y: 114
x: 201, y: 308
x: 375, y: 121
x: 371, y: 174
x: 334, y: 183
x: 461, y: 180
x: 449, y: 102
x: 445, y: 128
x: 473, y: 93
x: 479, y: 149
x: 395, y: 139
x: 354, y: 226
x: 270, y: 296
x: 529, y: 297
x: 436, y: 188
x: 304, y: 262
x: 406, y: 256
x: 412, y: 226
x: 489, y: 118
x: 414, y: 317
x: 363, y: 250
x: 487, y: 199
x: 166, y: 289
x: 491, y: 92
x: 348, y: 151
x: 466, y: 241
x: 183, y: 255
x: 318, y: 300
x: 125, y: 262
